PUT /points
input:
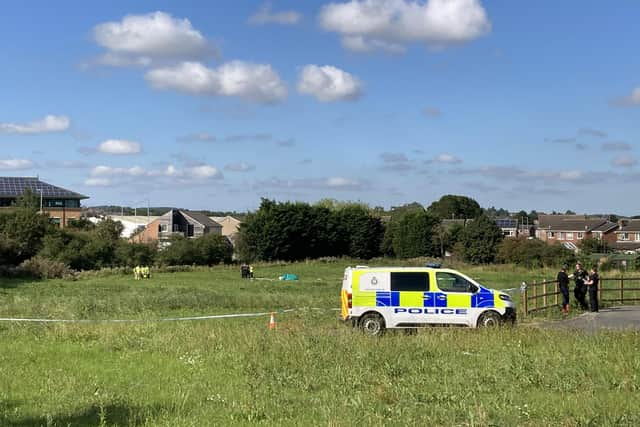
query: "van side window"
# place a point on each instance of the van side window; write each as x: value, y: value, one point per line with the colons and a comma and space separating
x: 416, y: 282
x: 449, y: 282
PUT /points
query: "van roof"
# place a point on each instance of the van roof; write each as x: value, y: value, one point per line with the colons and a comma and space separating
x: 392, y: 268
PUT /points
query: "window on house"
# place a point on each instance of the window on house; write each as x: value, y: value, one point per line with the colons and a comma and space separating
x: 562, y: 235
x: 637, y: 237
x: 54, y: 220
x: 163, y: 228
x: 597, y: 235
x: 551, y: 234
x: 580, y: 235
x: 624, y: 236
x: 413, y: 282
x: 569, y: 236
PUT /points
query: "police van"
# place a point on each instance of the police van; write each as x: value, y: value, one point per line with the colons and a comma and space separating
x: 377, y: 298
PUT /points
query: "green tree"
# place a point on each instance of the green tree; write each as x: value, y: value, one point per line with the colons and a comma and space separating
x: 452, y: 206
x: 479, y: 240
x: 413, y: 235
x: 22, y: 230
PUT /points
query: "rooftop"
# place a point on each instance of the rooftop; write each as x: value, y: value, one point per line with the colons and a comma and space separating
x: 574, y: 223
x: 15, y: 186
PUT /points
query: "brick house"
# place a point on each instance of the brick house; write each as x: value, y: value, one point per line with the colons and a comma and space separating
x: 60, y: 204
x: 178, y: 222
x: 627, y: 236
x: 572, y: 229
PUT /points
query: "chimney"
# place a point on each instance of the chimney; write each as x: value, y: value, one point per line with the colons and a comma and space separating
x: 623, y: 223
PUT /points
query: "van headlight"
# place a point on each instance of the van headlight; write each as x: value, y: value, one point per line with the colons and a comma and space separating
x: 504, y: 297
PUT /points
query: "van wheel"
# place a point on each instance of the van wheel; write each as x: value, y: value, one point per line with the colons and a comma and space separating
x: 372, y: 324
x: 489, y: 319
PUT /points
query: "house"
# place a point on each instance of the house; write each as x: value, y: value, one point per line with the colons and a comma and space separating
x: 571, y: 229
x: 230, y: 225
x: 61, y: 204
x: 509, y: 227
x: 627, y: 236
x: 178, y: 222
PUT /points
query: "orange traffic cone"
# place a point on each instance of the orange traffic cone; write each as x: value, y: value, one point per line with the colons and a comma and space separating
x: 272, y: 321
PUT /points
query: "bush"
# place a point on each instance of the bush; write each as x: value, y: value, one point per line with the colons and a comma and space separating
x: 209, y: 249
x: 43, y: 268
x: 533, y: 253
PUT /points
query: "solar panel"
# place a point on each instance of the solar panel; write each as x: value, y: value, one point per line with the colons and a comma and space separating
x: 16, y: 186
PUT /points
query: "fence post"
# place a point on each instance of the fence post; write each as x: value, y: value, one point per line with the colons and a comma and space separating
x: 622, y: 290
x: 556, y: 290
x: 600, y: 284
x: 544, y: 294
x: 535, y: 295
x: 524, y: 298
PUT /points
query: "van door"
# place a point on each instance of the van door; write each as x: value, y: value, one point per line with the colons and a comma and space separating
x: 410, y: 296
x: 454, y: 298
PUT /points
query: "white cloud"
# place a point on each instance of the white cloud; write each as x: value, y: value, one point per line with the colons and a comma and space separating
x: 48, y: 124
x: 447, y: 158
x: 196, y: 172
x: 328, y: 83
x: 631, y: 100
x: 198, y: 137
x: 317, y: 184
x: 253, y: 82
x: 388, y: 25
x: 625, y: 161
x: 143, y: 39
x: 343, y: 183
x: 101, y: 171
x: 264, y: 15
x: 119, y: 146
x: 15, y: 164
x: 239, y: 167
x: 97, y: 182
x: 204, y: 172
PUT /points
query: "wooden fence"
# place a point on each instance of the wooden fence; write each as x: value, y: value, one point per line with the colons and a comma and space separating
x: 538, y: 296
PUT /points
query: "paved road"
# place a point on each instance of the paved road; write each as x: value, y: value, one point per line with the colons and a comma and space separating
x: 626, y: 317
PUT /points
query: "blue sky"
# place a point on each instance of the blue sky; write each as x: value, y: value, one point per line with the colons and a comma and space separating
x: 212, y: 105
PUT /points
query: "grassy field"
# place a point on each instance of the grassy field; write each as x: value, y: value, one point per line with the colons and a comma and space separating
x: 312, y: 370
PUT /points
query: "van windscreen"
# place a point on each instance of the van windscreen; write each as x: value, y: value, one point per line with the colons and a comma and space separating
x: 416, y: 282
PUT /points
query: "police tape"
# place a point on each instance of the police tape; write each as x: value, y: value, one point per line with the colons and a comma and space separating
x: 165, y: 319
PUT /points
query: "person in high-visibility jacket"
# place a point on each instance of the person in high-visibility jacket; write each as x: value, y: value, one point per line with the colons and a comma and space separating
x: 251, y: 271
x: 146, y: 272
x: 136, y: 272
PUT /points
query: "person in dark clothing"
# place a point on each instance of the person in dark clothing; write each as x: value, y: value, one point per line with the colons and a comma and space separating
x: 580, y: 290
x: 563, y: 285
x: 592, y: 285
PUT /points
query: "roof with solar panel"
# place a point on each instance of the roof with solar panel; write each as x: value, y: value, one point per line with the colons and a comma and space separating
x: 13, y: 186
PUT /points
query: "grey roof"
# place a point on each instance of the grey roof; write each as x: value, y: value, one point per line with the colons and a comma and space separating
x: 201, y: 218
x: 626, y: 225
x: 574, y: 223
x: 15, y: 186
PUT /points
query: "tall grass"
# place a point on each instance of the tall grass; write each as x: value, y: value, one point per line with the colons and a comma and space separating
x: 312, y: 370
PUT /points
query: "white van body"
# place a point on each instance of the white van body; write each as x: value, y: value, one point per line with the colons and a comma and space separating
x: 409, y: 297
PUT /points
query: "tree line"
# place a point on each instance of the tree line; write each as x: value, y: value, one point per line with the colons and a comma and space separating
x: 279, y: 231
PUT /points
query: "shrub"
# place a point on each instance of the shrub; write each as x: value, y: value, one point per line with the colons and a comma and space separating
x: 43, y: 268
x: 533, y: 253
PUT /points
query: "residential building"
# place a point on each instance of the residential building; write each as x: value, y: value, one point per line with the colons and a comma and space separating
x: 59, y: 203
x: 572, y: 229
x: 230, y: 227
x: 178, y: 222
x: 627, y: 236
x: 509, y: 227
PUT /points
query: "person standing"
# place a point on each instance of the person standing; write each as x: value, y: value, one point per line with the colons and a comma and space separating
x: 592, y: 284
x: 580, y: 289
x: 563, y: 285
